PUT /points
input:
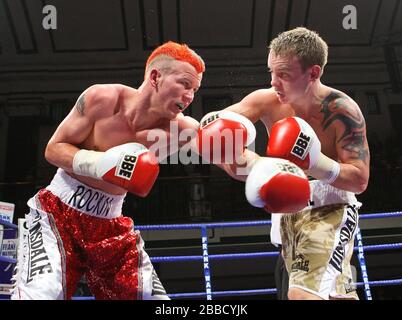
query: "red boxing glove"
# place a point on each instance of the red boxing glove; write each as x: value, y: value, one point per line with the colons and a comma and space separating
x: 223, y: 135
x: 130, y: 166
x: 278, y: 185
x: 295, y: 140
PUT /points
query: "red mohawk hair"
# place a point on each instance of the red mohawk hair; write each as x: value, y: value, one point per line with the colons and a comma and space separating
x: 179, y: 52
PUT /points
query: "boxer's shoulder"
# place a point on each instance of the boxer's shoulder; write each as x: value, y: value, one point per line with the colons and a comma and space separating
x: 102, y: 100
x: 337, y: 99
x: 267, y: 100
x: 187, y: 122
x: 256, y: 104
x: 339, y: 106
x: 102, y: 92
x: 263, y: 97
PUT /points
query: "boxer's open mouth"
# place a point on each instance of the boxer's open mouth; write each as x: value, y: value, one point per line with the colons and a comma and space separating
x: 180, y: 106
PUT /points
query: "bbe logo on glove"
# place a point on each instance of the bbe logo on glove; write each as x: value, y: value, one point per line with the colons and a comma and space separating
x: 223, y: 136
x: 277, y: 185
x: 295, y: 140
x: 210, y: 119
x: 130, y: 166
x: 290, y: 168
x: 126, y: 166
x: 302, y: 146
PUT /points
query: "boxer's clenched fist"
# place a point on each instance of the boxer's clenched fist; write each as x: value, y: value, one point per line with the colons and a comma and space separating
x: 295, y: 140
x: 223, y: 135
x: 278, y: 185
x: 130, y: 166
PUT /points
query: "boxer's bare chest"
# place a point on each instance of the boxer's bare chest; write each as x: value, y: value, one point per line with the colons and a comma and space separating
x: 326, y: 135
x: 115, y: 130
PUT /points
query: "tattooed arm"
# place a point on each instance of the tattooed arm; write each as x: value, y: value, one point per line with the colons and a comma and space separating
x: 351, y: 142
x: 77, y: 126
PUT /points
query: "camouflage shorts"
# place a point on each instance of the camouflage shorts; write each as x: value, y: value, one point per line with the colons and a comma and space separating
x: 317, y: 247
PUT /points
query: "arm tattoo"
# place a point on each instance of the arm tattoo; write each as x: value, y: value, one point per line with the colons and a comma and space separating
x: 80, y: 105
x: 355, y: 145
x: 336, y: 107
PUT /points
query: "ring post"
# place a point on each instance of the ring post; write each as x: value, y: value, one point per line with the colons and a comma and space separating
x: 207, y: 276
x: 362, y: 262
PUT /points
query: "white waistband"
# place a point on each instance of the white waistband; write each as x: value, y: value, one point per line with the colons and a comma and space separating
x: 323, y: 194
x: 85, y: 199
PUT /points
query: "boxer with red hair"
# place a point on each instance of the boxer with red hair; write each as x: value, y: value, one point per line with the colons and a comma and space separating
x: 101, y: 149
x: 178, y: 52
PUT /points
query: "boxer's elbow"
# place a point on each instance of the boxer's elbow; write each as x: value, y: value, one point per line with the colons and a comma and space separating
x: 361, y: 185
x: 55, y: 154
x: 354, y: 178
x: 50, y: 153
x: 361, y: 188
x: 228, y: 169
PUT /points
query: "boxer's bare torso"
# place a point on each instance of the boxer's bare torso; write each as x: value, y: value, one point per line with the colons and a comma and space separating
x: 336, y: 119
x: 109, y: 115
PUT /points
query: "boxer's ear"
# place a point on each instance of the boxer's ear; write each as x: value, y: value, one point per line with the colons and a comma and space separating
x: 154, y: 76
x: 315, y: 72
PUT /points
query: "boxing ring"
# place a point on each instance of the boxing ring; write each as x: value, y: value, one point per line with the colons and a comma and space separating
x: 208, y: 293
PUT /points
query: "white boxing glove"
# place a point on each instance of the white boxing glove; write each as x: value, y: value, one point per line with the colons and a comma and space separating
x: 278, y: 185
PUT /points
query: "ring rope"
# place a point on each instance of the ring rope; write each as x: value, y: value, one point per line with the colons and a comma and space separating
x: 227, y: 256
x: 227, y: 224
x: 270, y: 290
x: 205, y: 257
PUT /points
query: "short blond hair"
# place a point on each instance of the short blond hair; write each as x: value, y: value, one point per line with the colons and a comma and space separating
x: 303, y: 43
